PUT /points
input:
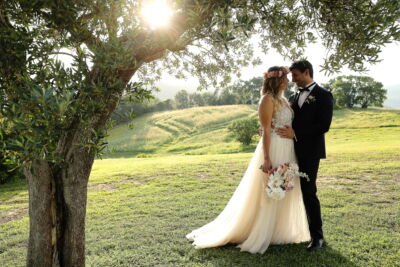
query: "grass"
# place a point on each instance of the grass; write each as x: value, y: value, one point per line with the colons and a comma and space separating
x: 139, y: 209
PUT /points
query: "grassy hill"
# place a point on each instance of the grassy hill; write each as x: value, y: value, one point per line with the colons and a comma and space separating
x: 139, y: 209
x: 199, y: 130
x: 203, y: 130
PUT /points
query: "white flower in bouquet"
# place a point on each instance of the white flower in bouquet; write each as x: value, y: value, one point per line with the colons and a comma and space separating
x: 290, y: 176
x: 277, y: 176
x: 277, y: 193
x: 275, y: 182
x: 288, y: 184
x: 293, y: 166
x: 281, y: 180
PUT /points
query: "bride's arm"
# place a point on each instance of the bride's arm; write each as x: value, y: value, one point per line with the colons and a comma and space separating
x: 265, y: 111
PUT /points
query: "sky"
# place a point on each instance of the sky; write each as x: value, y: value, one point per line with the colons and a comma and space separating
x: 386, y: 72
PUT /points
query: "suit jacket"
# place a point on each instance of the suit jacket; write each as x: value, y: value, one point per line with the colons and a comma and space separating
x: 311, y: 122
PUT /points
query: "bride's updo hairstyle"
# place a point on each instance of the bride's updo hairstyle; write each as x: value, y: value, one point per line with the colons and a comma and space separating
x: 272, y: 84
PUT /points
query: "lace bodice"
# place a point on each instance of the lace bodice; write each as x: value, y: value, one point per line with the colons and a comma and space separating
x: 282, y: 117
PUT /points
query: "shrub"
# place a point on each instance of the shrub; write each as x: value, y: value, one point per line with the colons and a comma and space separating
x: 244, y: 130
x: 8, y: 169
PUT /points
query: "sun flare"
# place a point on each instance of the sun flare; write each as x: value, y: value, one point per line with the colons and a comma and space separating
x: 157, y: 13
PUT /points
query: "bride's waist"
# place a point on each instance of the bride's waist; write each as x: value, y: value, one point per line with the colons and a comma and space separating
x: 275, y: 130
x: 275, y: 135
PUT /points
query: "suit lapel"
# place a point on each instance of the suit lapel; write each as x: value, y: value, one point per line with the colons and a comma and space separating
x: 295, y: 104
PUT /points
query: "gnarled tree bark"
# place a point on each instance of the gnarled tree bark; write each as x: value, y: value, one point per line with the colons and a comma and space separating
x: 58, y: 194
x: 39, y: 177
x: 57, y: 210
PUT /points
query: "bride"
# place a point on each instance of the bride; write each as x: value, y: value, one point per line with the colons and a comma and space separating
x: 251, y: 219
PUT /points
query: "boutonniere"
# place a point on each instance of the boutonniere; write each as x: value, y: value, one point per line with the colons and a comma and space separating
x: 310, y: 99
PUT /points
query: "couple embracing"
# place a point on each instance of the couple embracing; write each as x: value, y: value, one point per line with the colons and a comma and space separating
x: 292, y: 132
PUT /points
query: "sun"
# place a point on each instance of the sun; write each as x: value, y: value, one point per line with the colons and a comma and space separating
x: 157, y: 13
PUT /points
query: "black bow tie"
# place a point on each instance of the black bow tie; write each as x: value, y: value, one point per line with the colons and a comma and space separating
x: 307, y: 88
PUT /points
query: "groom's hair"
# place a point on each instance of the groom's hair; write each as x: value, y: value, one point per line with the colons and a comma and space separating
x: 302, y: 66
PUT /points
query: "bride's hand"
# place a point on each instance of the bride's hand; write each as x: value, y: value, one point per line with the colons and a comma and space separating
x: 267, y: 166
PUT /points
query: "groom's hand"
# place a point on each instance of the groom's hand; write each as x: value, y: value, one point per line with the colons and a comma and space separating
x: 286, y: 132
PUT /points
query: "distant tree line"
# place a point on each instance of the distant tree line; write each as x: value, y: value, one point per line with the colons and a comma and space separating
x: 357, y: 91
x: 242, y: 92
x: 348, y: 91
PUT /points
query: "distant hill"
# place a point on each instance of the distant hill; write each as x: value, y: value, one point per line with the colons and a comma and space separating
x: 198, y: 130
x: 203, y: 130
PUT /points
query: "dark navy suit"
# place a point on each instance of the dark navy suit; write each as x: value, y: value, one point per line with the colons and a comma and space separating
x: 310, y: 123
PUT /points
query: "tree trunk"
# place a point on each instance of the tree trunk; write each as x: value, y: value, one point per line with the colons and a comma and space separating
x: 58, y: 193
x: 71, y: 188
x: 41, y: 243
x: 57, y: 209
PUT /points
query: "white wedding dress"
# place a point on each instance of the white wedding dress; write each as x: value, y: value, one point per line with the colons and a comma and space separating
x: 251, y: 219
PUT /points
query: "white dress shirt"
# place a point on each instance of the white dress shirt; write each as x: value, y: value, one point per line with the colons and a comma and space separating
x: 303, y: 95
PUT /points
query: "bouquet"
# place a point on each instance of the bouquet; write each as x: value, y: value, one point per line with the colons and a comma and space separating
x: 280, y: 180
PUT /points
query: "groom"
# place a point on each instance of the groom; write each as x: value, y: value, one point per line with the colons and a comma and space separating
x: 313, y: 107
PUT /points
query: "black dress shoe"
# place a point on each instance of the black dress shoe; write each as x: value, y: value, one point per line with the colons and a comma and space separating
x: 315, y: 244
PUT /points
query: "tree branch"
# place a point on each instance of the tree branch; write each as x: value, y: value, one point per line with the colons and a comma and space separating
x: 76, y: 28
x: 3, y: 15
x: 155, y: 44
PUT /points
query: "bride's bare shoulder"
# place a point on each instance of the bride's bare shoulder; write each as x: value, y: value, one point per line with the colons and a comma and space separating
x: 266, y: 99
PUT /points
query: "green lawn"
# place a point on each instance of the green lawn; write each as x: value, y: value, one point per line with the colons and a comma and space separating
x: 139, y: 209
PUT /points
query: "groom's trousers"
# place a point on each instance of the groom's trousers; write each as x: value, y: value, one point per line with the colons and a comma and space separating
x: 311, y: 201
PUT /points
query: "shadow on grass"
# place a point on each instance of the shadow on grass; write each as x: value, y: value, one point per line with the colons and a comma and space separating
x: 148, y: 153
x: 15, y: 184
x: 13, y: 187
x: 127, y: 154
x: 276, y: 255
